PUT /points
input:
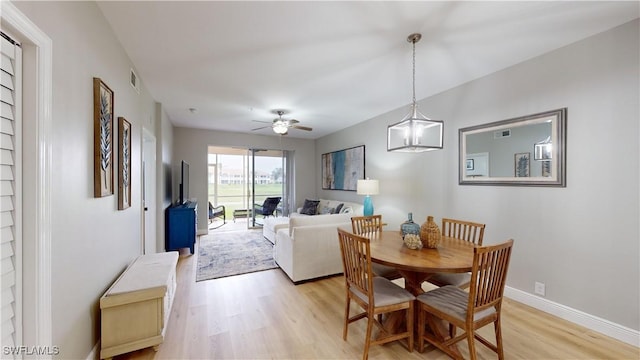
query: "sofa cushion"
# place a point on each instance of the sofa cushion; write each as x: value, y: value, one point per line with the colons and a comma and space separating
x: 317, y: 220
x: 271, y: 226
x: 310, y: 207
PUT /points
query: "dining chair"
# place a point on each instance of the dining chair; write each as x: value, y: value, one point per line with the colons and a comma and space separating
x: 463, y: 230
x: 469, y: 310
x: 375, y: 295
x: 372, y: 226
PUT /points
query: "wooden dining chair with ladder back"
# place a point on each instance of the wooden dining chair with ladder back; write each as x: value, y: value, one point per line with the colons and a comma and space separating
x: 375, y: 295
x: 372, y: 226
x: 471, y: 310
x: 463, y: 230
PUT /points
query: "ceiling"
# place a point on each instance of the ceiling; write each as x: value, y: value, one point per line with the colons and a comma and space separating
x: 332, y: 64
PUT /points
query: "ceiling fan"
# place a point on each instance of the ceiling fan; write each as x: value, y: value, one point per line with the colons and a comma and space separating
x: 281, y: 126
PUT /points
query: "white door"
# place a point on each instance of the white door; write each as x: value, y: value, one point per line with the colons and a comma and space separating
x: 149, y: 191
x: 10, y: 194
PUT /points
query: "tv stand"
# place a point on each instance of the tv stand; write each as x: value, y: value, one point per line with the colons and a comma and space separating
x: 181, y: 226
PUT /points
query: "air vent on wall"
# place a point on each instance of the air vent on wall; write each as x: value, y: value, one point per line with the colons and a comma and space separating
x: 134, y: 81
x: 501, y: 133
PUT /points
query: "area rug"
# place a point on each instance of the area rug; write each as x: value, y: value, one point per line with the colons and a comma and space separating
x: 230, y: 253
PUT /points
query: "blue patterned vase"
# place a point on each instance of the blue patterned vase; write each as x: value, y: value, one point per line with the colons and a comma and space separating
x: 409, y: 227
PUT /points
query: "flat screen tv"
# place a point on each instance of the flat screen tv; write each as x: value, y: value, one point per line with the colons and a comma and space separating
x: 184, y: 183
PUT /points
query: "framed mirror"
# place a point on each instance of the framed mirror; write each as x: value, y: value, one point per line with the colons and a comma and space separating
x: 524, y: 151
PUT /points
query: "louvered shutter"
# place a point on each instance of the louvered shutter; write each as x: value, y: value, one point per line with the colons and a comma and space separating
x: 10, y: 194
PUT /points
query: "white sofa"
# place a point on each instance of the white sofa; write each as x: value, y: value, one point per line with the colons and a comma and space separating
x: 307, y: 246
x: 271, y: 225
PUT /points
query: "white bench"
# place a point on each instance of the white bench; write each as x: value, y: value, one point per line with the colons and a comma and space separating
x: 135, y: 310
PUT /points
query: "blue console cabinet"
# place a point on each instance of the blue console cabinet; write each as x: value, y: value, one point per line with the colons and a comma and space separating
x: 181, y: 225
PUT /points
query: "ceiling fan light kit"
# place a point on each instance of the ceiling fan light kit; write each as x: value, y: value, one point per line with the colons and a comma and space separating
x: 415, y: 132
x: 281, y: 126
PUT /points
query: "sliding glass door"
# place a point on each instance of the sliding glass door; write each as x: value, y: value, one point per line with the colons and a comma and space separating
x: 266, y: 187
x: 227, y: 181
x: 242, y: 179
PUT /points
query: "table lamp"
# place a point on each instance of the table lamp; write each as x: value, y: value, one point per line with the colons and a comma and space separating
x: 367, y: 187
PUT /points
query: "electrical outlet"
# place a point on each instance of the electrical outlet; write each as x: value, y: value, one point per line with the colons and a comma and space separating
x: 539, y: 288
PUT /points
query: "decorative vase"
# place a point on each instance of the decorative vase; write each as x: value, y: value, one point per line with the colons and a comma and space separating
x: 409, y: 227
x: 412, y: 241
x: 430, y: 233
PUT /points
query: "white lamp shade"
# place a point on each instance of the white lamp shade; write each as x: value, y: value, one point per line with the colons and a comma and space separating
x: 367, y: 187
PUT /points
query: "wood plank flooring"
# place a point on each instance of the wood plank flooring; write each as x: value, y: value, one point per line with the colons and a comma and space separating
x: 264, y: 316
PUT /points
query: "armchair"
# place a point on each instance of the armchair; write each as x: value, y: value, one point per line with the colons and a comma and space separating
x: 268, y: 207
x: 217, y: 212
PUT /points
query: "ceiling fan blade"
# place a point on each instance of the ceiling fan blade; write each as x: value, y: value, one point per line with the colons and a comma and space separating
x: 293, y: 121
x: 260, y: 121
x: 299, y: 127
x: 262, y: 127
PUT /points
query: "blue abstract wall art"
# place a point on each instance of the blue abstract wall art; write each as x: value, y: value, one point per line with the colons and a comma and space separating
x: 342, y: 169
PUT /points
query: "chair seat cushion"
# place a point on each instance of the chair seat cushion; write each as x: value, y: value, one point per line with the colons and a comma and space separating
x: 455, y: 279
x: 386, y: 293
x: 383, y: 270
x: 452, y: 301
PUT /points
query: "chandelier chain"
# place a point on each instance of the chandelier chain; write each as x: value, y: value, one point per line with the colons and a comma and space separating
x: 414, y: 72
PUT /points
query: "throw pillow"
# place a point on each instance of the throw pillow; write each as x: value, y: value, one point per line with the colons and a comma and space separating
x: 338, y: 208
x: 309, y: 207
x: 346, y: 210
x: 327, y: 210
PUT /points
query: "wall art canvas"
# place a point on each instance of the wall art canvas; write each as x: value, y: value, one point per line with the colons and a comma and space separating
x: 124, y: 164
x: 103, y: 139
x: 521, y: 164
x: 342, y: 169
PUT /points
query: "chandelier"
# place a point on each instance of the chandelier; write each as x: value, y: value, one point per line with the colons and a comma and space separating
x: 415, y: 132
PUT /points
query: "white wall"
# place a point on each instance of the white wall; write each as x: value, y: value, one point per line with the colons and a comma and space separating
x: 191, y: 145
x: 91, y: 241
x: 582, y: 241
x: 164, y: 186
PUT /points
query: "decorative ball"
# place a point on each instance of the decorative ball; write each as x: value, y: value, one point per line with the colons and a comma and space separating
x: 412, y: 241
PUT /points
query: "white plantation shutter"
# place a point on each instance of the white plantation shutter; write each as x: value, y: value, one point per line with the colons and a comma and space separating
x: 10, y: 194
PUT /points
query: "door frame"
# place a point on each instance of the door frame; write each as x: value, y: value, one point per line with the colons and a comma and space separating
x: 37, y: 167
x: 252, y: 153
x: 148, y: 137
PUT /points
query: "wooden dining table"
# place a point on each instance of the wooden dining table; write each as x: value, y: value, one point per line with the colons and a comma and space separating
x: 450, y: 256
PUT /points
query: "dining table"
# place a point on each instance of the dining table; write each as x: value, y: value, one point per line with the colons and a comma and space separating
x: 451, y: 255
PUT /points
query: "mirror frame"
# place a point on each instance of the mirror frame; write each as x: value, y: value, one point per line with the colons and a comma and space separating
x: 559, y: 153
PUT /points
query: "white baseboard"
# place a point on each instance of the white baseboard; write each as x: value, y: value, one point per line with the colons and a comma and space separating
x: 606, y: 327
x: 95, y: 352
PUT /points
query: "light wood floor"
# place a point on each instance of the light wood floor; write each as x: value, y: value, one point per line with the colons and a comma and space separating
x: 264, y: 316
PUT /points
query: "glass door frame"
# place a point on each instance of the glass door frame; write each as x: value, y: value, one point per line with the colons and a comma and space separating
x: 252, y: 181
